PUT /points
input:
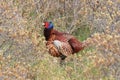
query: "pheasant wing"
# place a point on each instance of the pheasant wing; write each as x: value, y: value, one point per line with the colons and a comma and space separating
x: 52, y: 49
x: 63, y: 47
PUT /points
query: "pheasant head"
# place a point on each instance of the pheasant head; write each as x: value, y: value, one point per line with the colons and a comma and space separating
x: 48, y: 25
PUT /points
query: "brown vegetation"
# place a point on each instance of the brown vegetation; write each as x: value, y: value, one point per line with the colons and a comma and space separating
x: 23, y: 55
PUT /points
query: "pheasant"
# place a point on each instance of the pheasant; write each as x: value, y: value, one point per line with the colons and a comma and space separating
x: 60, y: 44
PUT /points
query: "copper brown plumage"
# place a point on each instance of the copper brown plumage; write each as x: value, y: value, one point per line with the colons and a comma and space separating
x: 60, y: 44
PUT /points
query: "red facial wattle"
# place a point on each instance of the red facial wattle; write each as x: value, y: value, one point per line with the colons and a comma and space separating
x: 46, y: 24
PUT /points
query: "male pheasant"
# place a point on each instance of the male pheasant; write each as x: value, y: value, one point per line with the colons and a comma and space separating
x: 60, y: 44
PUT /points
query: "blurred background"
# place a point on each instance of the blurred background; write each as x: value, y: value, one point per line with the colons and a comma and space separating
x: 23, y: 55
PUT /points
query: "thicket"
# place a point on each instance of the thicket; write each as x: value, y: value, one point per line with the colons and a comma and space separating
x: 23, y: 55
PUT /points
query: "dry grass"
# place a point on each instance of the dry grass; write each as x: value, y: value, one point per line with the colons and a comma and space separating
x: 23, y: 55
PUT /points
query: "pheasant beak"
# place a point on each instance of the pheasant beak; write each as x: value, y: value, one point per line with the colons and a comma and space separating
x: 43, y: 24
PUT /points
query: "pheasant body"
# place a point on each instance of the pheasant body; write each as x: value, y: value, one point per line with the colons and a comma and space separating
x: 60, y: 44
